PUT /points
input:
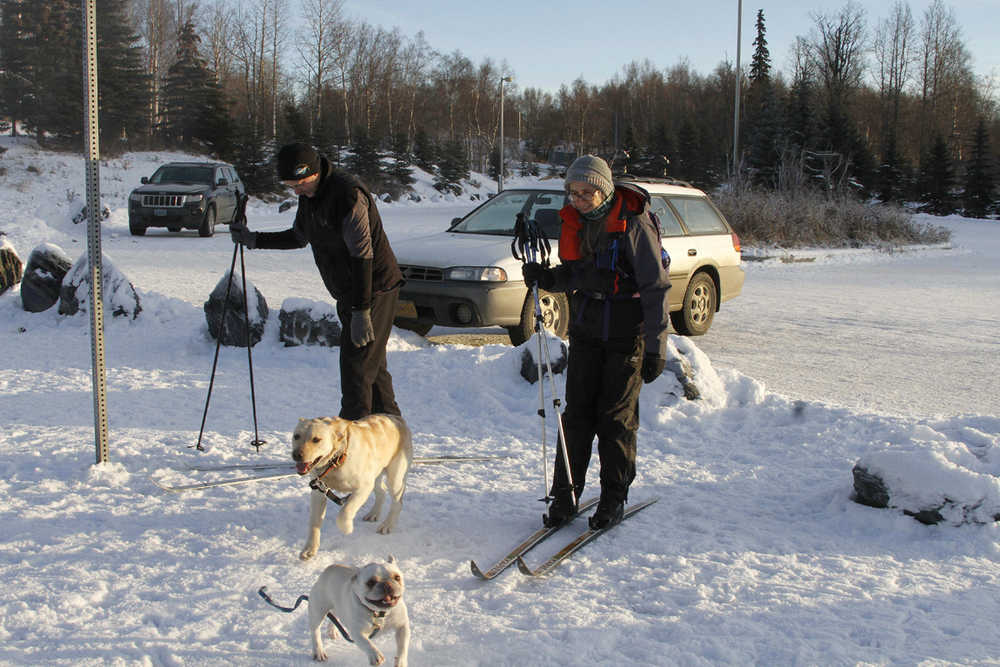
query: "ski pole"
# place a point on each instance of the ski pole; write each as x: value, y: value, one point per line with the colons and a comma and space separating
x: 530, y: 246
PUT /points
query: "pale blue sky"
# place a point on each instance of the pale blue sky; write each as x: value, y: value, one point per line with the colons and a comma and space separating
x: 548, y: 43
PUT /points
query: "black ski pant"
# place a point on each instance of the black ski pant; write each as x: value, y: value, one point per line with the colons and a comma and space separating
x: 365, y: 383
x: 603, y: 379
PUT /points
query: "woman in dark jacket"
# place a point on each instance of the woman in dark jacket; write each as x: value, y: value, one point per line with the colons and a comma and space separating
x: 338, y: 219
x: 615, y: 274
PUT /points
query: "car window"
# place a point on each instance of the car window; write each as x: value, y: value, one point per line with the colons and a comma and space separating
x: 668, y: 221
x: 182, y: 174
x: 698, y: 215
x: 499, y: 214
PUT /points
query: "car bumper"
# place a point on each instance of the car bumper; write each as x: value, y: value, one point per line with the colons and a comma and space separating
x: 732, y: 278
x: 456, y: 304
x: 188, y: 217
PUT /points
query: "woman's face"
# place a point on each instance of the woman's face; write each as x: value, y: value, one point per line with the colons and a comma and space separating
x: 583, y: 196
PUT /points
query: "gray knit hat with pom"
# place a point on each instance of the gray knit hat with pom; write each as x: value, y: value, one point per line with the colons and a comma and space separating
x: 591, y: 169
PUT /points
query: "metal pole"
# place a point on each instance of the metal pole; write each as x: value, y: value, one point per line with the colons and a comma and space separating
x: 500, y: 169
x: 736, y: 96
x: 94, y: 229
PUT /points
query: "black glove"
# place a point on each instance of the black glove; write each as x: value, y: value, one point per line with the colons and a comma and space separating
x: 362, y: 331
x: 242, y: 235
x: 652, y: 366
x: 536, y: 274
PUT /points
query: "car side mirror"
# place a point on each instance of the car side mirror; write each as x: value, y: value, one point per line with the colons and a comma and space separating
x: 144, y: 180
x: 454, y: 221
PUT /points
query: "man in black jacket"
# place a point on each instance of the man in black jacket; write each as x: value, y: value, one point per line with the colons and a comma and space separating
x: 616, y: 276
x: 338, y: 219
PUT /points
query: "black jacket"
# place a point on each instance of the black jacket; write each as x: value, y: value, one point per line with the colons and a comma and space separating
x: 349, y: 245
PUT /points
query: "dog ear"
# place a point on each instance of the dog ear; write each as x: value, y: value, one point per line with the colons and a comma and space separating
x: 391, y: 559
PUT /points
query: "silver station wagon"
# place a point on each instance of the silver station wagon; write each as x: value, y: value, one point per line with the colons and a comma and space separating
x: 467, y: 276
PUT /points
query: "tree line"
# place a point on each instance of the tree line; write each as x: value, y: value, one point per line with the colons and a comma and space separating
x: 887, y: 107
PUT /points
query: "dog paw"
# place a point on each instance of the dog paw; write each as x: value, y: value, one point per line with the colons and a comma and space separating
x: 371, y: 516
x: 319, y: 656
x: 376, y: 658
x: 385, y: 528
x: 346, y: 527
x: 307, y: 553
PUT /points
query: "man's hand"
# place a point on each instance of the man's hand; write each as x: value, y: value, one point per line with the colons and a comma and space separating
x: 242, y: 235
x: 652, y: 366
x: 362, y: 332
x: 536, y: 274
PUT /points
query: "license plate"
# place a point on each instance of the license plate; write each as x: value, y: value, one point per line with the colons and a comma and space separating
x: 406, y: 309
x: 159, y: 211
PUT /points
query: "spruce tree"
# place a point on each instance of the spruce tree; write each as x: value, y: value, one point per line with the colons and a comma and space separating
x: 400, y: 170
x: 194, y: 108
x: 16, y: 71
x: 937, y: 179
x: 364, y: 160
x: 453, y: 167
x: 122, y: 81
x: 980, y: 179
x: 425, y: 152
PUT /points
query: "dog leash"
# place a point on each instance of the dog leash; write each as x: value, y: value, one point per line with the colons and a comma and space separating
x: 302, y: 598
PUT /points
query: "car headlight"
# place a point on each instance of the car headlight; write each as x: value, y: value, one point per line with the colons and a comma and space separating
x: 193, y: 199
x: 492, y: 274
x: 135, y: 196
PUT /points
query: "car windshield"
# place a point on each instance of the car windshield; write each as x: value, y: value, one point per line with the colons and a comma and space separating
x: 498, y: 215
x: 179, y: 174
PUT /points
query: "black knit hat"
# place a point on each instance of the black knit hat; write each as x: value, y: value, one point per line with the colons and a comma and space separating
x: 297, y: 161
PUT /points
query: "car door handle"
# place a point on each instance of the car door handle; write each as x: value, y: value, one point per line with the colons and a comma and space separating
x: 692, y: 252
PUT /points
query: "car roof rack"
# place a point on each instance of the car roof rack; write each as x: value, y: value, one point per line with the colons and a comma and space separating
x: 653, y: 179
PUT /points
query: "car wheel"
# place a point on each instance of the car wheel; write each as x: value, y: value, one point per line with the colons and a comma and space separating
x: 136, y: 228
x: 555, y: 316
x: 417, y: 326
x: 695, y: 317
x: 207, y: 227
x: 173, y: 229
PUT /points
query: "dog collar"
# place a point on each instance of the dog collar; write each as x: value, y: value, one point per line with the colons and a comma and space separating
x: 378, y: 615
x: 336, y: 462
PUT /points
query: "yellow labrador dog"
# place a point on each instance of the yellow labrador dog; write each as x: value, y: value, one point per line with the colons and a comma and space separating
x: 350, y: 457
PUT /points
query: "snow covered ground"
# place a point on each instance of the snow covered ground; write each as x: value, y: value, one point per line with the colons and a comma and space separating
x: 755, y: 553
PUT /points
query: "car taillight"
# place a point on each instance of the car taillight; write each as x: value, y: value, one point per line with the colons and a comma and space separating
x: 736, y: 242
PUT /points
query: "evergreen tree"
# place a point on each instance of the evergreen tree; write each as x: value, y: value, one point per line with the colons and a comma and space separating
x: 194, y: 110
x: 57, y: 61
x: 364, y: 160
x: 980, y: 180
x: 454, y: 167
x: 890, y: 179
x: 122, y: 82
x: 764, y: 120
x: 400, y: 170
x: 937, y: 179
x: 16, y: 71
x: 425, y: 152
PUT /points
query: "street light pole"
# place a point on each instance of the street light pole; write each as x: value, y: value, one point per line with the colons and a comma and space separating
x: 736, y: 103
x: 506, y: 79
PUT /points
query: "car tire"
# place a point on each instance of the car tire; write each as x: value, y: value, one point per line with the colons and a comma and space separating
x: 173, y: 229
x: 700, y: 298
x: 555, y: 316
x: 207, y: 227
x: 416, y: 326
x: 135, y: 228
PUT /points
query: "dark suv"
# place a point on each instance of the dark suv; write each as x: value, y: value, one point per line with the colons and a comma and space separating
x: 185, y: 195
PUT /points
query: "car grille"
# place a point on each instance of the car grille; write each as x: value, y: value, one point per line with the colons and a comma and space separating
x: 163, y: 201
x: 421, y: 273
